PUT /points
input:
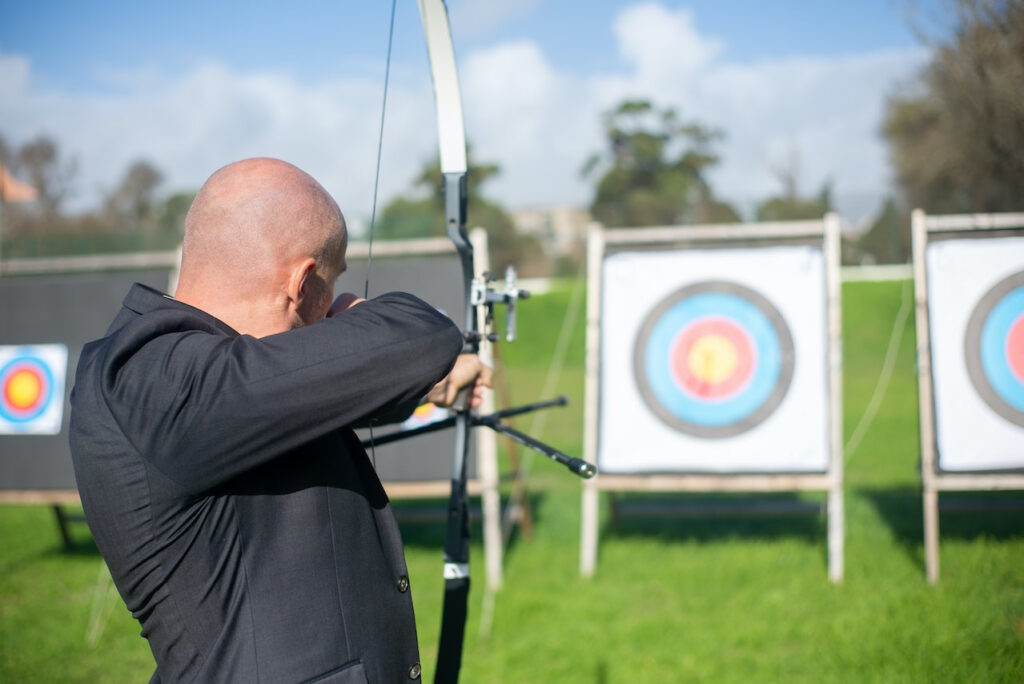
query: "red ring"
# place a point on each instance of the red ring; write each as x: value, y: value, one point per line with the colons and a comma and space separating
x: 10, y: 401
x: 1015, y: 348
x: 746, y: 357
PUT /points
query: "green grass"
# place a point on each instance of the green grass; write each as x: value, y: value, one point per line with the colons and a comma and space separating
x: 729, y: 599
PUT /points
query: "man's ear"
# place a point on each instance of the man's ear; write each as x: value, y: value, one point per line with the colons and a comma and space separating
x: 299, y: 281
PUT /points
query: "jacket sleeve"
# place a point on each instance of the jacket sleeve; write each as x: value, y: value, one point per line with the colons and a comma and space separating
x: 204, y: 408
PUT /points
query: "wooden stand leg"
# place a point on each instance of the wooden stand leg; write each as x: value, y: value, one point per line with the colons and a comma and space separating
x: 835, y: 534
x: 490, y: 503
x: 931, y: 535
x: 517, y: 511
x: 62, y: 526
x: 588, y: 529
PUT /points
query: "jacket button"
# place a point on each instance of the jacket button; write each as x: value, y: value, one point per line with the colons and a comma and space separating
x: 414, y: 671
x: 403, y: 586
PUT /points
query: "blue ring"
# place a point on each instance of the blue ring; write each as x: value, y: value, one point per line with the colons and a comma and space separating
x: 43, y: 404
x: 713, y: 413
x: 992, y: 348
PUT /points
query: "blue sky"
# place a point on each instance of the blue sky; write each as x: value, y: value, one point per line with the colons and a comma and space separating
x: 190, y: 86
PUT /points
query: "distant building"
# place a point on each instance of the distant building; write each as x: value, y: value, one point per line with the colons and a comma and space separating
x: 562, y: 231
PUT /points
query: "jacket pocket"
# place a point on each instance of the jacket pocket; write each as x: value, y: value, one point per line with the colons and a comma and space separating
x: 349, y: 673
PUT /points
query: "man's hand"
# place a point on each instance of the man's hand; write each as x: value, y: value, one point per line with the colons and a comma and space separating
x: 468, y: 372
x: 344, y: 302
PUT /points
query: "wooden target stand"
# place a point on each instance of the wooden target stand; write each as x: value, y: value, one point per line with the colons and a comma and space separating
x: 827, y: 231
x: 933, y: 479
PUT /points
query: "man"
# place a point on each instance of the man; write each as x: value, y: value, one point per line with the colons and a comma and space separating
x: 211, y: 436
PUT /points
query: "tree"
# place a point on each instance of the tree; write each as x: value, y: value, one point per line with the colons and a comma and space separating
x: 406, y: 217
x: 131, y: 205
x: 790, y: 206
x: 132, y: 217
x: 39, y: 163
x: 652, y: 172
x: 171, y: 213
x: 5, y: 152
x: 887, y: 240
x: 956, y: 142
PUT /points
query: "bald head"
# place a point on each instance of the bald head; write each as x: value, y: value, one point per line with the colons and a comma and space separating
x: 250, y: 226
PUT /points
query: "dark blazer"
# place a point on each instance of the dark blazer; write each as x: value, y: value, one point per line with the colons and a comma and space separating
x: 241, y: 519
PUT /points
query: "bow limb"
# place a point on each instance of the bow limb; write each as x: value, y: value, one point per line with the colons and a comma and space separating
x: 452, y: 141
x: 451, y: 136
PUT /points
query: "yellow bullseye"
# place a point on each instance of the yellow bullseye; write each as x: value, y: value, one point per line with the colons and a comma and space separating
x: 424, y: 410
x: 23, y: 389
x: 712, y: 359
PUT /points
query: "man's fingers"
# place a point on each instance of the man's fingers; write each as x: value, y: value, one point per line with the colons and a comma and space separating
x: 468, y: 372
x: 485, y: 376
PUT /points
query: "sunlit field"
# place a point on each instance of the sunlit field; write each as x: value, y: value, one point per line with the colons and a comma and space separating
x: 717, y: 599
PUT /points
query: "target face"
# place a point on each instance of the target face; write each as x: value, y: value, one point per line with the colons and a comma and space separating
x: 994, y: 348
x: 27, y: 389
x: 425, y: 414
x: 713, y: 359
x: 32, y: 388
x: 975, y: 303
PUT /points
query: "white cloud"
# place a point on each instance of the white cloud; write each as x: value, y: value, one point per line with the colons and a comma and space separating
x: 191, y: 126
x: 823, y: 114
x: 537, y: 122
x: 663, y: 45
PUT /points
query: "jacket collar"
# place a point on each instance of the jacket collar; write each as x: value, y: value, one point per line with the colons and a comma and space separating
x: 143, y: 299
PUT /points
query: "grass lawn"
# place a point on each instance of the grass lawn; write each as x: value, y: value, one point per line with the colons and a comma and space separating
x: 726, y: 599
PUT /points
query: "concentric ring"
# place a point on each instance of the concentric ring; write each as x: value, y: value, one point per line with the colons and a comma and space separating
x: 26, y: 388
x: 713, y: 359
x: 994, y: 348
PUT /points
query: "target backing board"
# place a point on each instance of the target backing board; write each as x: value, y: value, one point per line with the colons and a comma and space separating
x: 976, y: 321
x: 437, y: 279
x: 714, y: 360
x: 32, y: 388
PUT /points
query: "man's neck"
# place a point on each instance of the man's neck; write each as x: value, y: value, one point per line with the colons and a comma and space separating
x: 258, y: 317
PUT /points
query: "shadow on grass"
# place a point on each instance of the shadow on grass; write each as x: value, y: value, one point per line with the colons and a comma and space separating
x: 962, y: 515
x: 716, y: 517
x: 52, y: 545
x: 81, y: 545
x: 423, y: 521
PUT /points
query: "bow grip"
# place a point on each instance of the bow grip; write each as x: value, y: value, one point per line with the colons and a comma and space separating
x: 461, y: 403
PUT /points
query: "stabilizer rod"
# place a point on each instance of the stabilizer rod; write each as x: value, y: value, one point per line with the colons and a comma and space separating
x: 493, y: 421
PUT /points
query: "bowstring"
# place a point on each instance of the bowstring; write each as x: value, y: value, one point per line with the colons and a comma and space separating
x: 376, y: 182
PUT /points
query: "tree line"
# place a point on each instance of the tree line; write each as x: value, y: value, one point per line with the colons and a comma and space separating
x: 131, y: 217
x: 954, y: 136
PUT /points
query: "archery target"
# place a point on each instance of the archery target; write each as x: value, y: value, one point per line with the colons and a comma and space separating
x: 425, y: 414
x: 32, y: 388
x: 994, y: 348
x: 976, y: 316
x: 714, y: 361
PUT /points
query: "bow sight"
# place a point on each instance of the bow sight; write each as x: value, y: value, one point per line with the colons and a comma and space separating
x: 483, y: 294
